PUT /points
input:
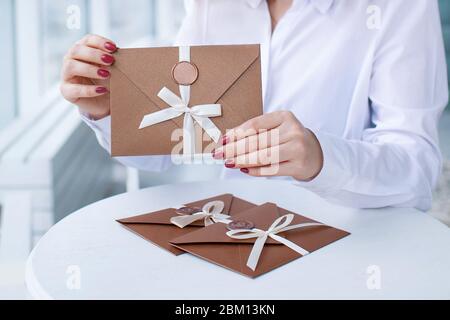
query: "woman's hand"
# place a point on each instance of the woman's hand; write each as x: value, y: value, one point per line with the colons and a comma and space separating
x: 85, y: 75
x: 274, y: 144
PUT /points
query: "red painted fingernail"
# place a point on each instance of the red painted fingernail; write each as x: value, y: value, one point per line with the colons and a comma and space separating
x: 101, y: 90
x: 110, y: 46
x: 230, y: 164
x: 218, y: 155
x: 106, y: 58
x: 225, y: 140
x: 245, y: 170
x: 103, y: 73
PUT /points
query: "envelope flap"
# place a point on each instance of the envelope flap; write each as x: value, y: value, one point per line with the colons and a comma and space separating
x: 262, y: 216
x: 149, y: 70
x: 158, y: 217
x: 297, y: 217
x: 219, y: 67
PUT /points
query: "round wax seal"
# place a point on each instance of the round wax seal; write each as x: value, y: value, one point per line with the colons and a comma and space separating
x: 185, y: 73
x: 240, y: 225
x: 188, y: 210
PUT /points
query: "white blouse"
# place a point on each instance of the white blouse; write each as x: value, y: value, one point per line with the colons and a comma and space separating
x: 368, y: 77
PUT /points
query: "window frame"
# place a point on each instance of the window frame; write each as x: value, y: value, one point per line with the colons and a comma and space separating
x: 8, y: 109
x: 23, y: 66
x: 27, y: 62
x: 52, y: 92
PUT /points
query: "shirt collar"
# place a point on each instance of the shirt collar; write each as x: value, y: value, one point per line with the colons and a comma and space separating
x: 322, y: 5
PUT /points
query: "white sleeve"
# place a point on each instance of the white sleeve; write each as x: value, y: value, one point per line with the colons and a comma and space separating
x: 397, y: 162
x: 102, y: 130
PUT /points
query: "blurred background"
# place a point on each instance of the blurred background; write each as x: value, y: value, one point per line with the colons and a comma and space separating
x: 50, y: 163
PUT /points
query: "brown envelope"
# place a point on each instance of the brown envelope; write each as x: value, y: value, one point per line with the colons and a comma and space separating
x: 157, y: 228
x: 212, y: 244
x: 228, y: 75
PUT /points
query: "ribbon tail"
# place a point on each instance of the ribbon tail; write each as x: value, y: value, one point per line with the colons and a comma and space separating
x: 290, y: 244
x: 159, y: 116
x: 253, y: 258
x: 170, y: 98
x: 188, y: 135
x: 183, y: 221
x: 209, y: 127
x: 208, y: 221
x: 222, y: 218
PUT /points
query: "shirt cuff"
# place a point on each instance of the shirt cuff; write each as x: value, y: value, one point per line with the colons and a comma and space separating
x: 333, y: 175
x: 101, y: 128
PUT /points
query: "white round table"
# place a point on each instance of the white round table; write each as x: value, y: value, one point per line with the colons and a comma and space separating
x: 391, y: 253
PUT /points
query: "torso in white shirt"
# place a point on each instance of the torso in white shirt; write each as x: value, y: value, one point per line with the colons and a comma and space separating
x: 368, y: 77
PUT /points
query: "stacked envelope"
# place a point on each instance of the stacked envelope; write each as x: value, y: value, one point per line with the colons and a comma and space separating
x: 234, y: 233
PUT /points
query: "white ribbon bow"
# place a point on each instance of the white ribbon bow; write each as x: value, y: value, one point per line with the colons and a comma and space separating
x: 261, y: 236
x: 180, y: 106
x: 211, y: 213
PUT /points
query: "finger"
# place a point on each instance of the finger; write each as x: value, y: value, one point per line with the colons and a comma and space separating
x: 250, y: 144
x: 276, y: 169
x: 253, y: 126
x: 72, y: 92
x: 90, y: 55
x: 265, y: 157
x: 99, y: 42
x: 74, y: 68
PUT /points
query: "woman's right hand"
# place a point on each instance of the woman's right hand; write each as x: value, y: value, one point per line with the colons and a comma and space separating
x: 85, y: 75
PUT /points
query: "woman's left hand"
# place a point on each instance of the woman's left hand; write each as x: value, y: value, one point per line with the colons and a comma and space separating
x: 274, y: 144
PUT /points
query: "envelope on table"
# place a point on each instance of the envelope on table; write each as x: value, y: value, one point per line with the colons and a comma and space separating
x: 157, y: 228
x: 213, y: 244
x: 227, y: 75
